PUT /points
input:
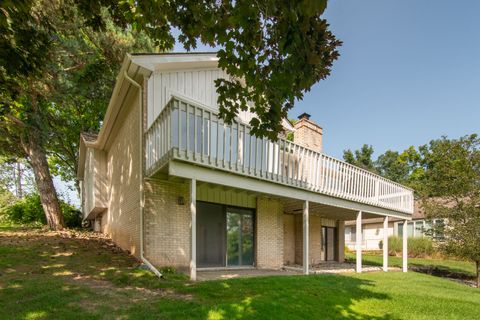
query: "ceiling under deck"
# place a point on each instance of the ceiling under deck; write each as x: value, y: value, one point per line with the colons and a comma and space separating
x: 295, y: 206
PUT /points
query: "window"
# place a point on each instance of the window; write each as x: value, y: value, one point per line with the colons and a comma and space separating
x: 353, y: 235
x: 410, y: 227
x: 438, y: 229
x: 419, y: 229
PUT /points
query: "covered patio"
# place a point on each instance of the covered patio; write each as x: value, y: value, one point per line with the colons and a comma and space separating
x: 293, y: 270
x: 340, y: 213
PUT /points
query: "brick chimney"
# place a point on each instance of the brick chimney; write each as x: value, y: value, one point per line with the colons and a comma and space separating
x: 308, y: 133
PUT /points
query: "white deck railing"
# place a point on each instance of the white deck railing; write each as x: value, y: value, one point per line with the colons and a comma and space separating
x: 203, y: 138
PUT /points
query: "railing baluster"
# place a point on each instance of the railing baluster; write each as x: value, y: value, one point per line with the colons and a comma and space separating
x: 202, y: 135
x: 224, y: 142
x: 244, y: 141
x: 230, y: 160
x: 179, y: 128
x: 291, y: 163
x: 210, y: 124
x: 237, y: 156
x: 217, y: 148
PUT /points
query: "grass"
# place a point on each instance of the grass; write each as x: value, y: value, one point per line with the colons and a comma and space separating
x: 455, y: 266
x: 45, y: 275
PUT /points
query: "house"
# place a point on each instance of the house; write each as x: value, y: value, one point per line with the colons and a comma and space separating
x: 373, y: 231
x: 172, y: 183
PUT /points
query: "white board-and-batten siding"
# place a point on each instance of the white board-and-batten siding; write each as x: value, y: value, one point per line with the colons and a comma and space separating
x: 196, y: 85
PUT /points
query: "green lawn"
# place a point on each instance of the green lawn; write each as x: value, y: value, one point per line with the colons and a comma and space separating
x: 464, y: 267
x: 45, y: 276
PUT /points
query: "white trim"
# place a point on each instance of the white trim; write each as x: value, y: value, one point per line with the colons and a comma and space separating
x: 193, y: 229
x: 358, y: 242
x: 405, y: 247
x: 385, y: 244
x: 220, y: 177
x: 306, y: 237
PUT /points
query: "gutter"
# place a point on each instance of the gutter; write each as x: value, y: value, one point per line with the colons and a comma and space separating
x: 142, y: 193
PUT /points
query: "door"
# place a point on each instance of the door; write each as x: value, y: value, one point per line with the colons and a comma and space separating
x: 210, y: 235
x: 225, y: 236
x: 329, y: 244
x: 239, y: 237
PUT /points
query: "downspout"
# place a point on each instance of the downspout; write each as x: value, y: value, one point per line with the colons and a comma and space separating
x: 142, y: 193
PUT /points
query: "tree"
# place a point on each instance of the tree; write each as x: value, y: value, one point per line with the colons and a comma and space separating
x: 47, y: 49
x: 15, y: 176
x: 452, y: 192
x: 274, y: 51
x: 87, y: 65
x: 361, y: 158
x: 25, y: 37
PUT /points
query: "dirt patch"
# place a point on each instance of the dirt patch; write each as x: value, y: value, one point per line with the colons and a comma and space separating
x: 445, y: 273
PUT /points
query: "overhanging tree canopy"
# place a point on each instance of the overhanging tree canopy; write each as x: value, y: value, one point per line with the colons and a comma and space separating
x: 274, y: 50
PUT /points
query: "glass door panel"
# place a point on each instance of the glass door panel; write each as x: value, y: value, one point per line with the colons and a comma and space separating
x: 210, y: 235
x: 233, y: 239
x: 329, y: 244
x: 240, y: 241
x: 247, y: 240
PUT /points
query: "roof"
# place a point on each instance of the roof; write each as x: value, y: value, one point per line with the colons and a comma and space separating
x: 89, y: 136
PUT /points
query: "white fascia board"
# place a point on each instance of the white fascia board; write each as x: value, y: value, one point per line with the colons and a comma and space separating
x: 189, y: 171
x: 175, y: 61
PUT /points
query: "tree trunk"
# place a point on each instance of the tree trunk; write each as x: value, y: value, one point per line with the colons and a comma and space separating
x: 478, y: 273
x: 18, y: 182
x: 44, y: 182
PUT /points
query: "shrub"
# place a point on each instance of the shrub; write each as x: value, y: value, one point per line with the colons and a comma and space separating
x: 26, y: 211
x: 420, y: 247
x: 29, y: 211
x: 394, y: 245
x: 417, y: 247
x: 71, y: 215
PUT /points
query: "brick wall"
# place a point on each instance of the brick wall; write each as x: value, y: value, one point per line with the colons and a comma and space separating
x: 167, y: 224
x: 341, y: 240
x: 288, y: 239
x: 269, y: 245
x: 121, y: 220
x: 309, y: 134
x: 315, y: 242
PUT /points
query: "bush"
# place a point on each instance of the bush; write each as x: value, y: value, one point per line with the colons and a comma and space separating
x: 417, y: 247
x: 29, y: 211
x: 71, y: 215
x: 420, y: 247
x: 26, y: 211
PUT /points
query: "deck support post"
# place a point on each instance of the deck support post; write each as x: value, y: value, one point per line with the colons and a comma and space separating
x: 405, y: 247
x: 193, y: 212
x: 385, y: 243
x: 306, y: 237
x: 358, y: 242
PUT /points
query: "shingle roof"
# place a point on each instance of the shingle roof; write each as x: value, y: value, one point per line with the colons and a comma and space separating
x: 89, y: 136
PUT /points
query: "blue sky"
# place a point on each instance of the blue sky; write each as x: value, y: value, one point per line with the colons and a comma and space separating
x: 409, y: 72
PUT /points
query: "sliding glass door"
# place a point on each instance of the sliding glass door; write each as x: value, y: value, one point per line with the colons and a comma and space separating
x: 210, y: 235
x: 225, y: 236
x: 239, y: 237
x: 329, y: 244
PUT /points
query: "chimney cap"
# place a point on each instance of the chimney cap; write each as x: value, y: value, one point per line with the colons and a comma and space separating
x: 304, y: 116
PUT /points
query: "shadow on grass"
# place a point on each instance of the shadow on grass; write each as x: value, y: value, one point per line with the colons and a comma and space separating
x: 281, y: 297
x: 43, y: 277
x: 439, y: 268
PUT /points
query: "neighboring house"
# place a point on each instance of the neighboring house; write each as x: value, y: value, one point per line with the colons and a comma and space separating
x: 176, y: 186
x: 373, y: 232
